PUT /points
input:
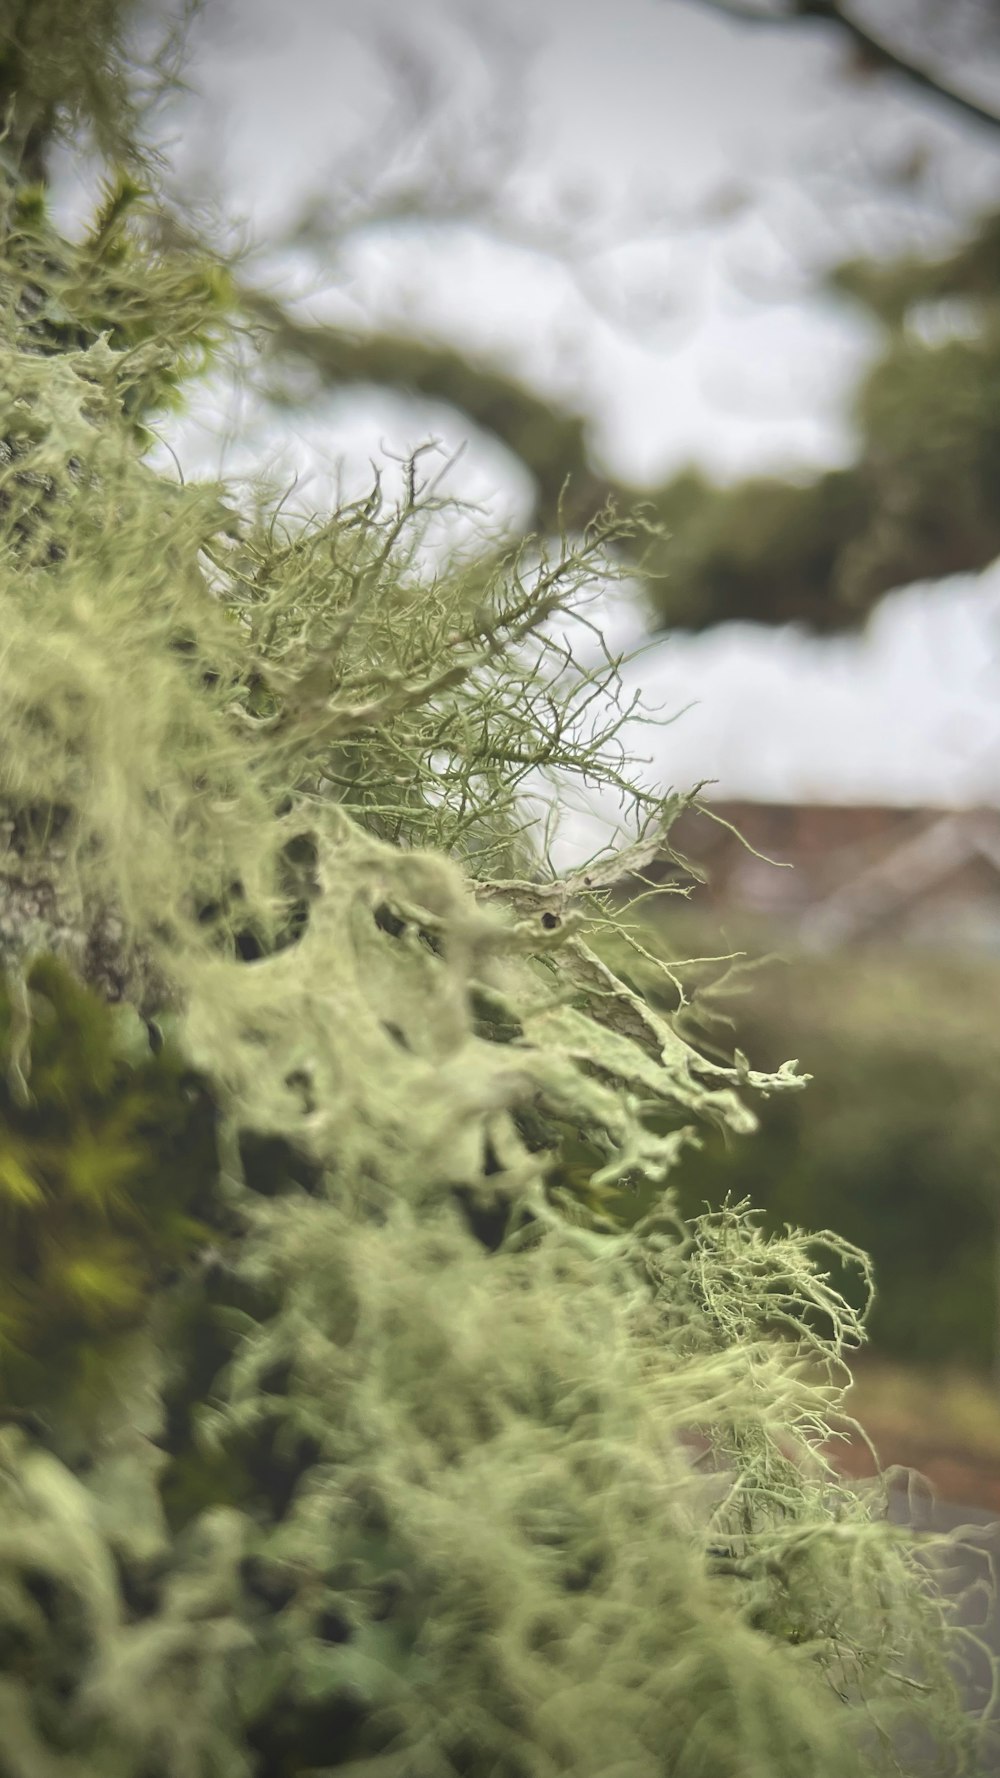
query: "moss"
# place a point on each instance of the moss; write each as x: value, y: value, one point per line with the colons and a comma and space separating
x: 107, y: 1166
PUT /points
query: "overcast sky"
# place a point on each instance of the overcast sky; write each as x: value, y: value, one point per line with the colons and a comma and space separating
x: 736, y: 160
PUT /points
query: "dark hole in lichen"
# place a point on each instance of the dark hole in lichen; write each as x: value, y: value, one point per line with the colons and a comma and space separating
x: 389, y: 1593
x: 140, y: 1584
x: 268, y: 1581
x: 491, y: 1021
x: 271, y: 1163
x: 301, y: 850
x: 372, y: 1510
x: 334, y: 1624
x: 296, y: 1733
x: 550, y: 921
x: 486, y: 1221
x: 583, y: 1572
x: 39, y: 823
x: 298, y: 920
x: 41, y: 1587
x: 276, y: 1377
x: 276, y: 1471
x: 491, y: 1164
x: 387, y: 921
x: 299, y: 1081
x: 225, y: 1286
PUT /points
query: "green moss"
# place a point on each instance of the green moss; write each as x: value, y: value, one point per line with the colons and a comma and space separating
x: 112, y: 286
x: 107, y: 1163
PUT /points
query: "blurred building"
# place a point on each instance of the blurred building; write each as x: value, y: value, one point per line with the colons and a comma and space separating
x: 833, y: 875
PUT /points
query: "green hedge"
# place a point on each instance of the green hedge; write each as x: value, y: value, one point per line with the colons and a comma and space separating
x: 896, y: 1142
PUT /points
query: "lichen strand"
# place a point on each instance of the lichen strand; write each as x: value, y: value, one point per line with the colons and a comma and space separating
x: 107, y: 1166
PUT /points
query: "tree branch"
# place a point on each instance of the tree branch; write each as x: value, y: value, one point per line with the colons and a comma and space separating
x: 549, y: 441
x: 874, y: 47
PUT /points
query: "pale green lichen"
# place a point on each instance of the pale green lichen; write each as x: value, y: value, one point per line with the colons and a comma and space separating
x: 426, y: 1466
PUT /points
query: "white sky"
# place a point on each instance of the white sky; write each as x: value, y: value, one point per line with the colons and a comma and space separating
x: 648, y: 107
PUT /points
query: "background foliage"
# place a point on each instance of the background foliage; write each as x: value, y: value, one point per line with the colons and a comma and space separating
x: 895, y: 1140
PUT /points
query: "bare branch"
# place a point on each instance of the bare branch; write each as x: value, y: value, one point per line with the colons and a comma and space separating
x: 877, y: 52
x: 549, y: 440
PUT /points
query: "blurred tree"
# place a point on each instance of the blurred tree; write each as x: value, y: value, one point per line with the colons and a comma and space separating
x: 917, y: 502
x: 915, y: 50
